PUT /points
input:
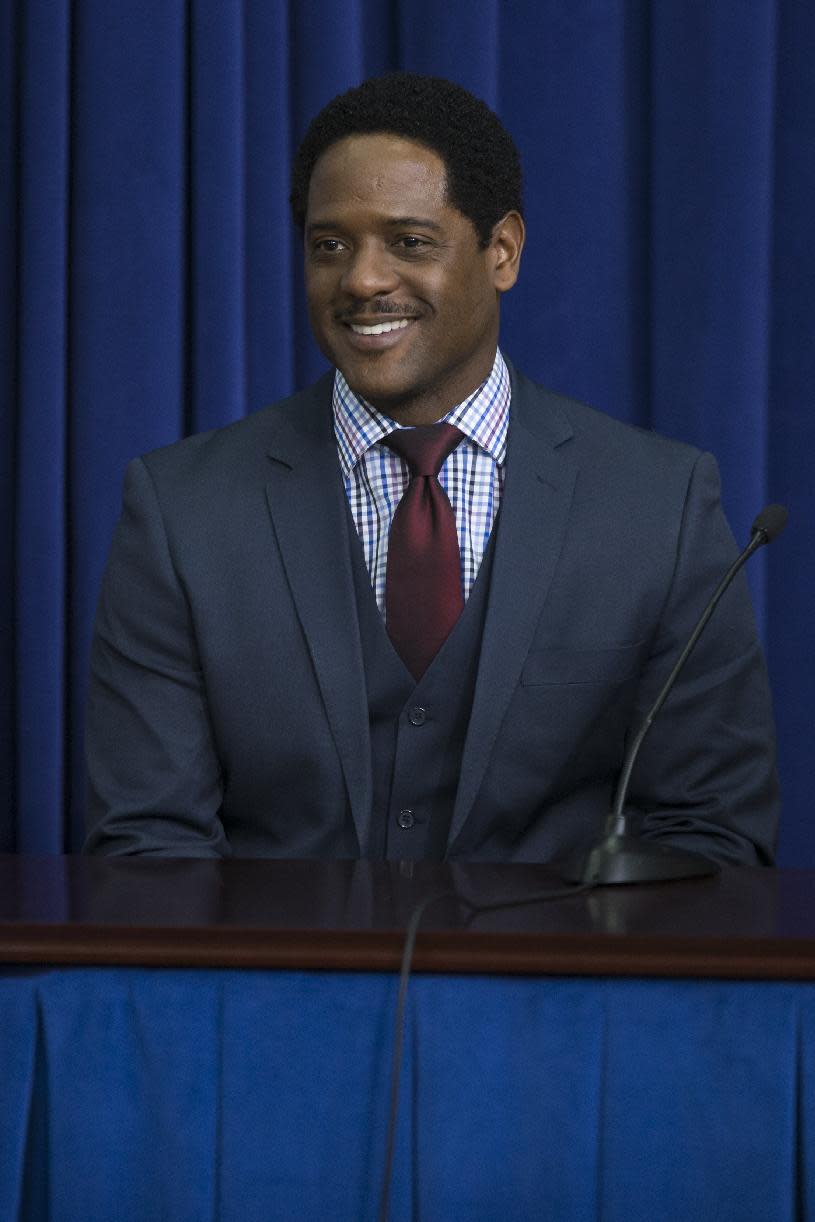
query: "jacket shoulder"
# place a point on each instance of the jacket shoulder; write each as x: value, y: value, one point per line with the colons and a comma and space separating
x: 599, y: 437
x: 245, y: 443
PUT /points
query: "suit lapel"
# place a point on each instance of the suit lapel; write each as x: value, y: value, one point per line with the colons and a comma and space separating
x: 530, y: 530
x: 308, y: 508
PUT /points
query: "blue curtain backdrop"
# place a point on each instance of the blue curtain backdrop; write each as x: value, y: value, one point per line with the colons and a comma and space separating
x: 150, y: 280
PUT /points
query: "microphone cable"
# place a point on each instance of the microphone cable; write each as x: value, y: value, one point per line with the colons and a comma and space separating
x: 767, y: 526
x: 411, y: 932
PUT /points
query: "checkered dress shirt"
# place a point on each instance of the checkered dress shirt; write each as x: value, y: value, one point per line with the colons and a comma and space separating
x: 472, y: 477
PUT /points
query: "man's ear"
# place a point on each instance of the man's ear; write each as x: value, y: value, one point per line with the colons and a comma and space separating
x: 506, y: 244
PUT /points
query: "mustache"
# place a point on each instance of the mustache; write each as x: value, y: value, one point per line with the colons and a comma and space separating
x: 378, y: 309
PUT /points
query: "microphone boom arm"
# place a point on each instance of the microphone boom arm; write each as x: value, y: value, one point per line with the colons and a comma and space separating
x: 621, y: 857
x: 616, y: 821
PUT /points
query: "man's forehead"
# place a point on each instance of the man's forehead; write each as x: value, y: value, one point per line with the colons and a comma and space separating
x: 375, y: 167
x: 375, y: 142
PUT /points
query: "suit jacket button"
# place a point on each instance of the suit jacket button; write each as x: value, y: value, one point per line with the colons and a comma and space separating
x: 417, y: 716
x: 406, y: 819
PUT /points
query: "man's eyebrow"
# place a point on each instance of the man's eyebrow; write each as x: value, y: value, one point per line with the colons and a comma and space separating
x: 393, y: 222
x: 415, y: 222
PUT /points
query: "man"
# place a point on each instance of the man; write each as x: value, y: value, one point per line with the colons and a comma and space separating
x: 283, y: 665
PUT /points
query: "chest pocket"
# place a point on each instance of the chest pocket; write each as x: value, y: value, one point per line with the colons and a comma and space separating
x: 565, y: 666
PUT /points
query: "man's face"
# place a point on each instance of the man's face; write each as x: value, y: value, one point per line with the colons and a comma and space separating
x: 401, y: 297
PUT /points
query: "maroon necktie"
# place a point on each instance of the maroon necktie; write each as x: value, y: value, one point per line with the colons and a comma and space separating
x: 423, y: 597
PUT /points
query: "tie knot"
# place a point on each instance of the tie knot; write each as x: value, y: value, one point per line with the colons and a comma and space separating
x: 425, y: 448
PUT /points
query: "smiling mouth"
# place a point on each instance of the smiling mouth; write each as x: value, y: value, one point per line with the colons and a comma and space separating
x: 380, y: 328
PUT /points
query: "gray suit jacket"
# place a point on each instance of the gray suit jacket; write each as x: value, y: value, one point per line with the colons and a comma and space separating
x: 228, y: 712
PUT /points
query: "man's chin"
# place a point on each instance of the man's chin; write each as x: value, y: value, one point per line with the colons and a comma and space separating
x: 389, y: 404
x: 385, y: 390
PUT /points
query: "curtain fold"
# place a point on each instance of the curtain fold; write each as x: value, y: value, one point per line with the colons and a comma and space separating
x: 151, y: 280
x: 9, y: 89
x: 712, y: 216
x: 791, y: 427
x: 133, y: 1093
x: 42, y: 470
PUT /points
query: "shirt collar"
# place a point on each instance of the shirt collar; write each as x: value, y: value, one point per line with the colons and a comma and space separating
x: 483, y: 417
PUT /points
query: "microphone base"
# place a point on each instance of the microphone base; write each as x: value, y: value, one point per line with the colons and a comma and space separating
x: 621, y: 859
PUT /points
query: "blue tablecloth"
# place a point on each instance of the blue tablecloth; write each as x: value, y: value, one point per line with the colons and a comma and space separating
x: 128, y: 1095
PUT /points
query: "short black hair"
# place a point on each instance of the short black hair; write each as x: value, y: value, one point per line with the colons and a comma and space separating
x: 482, y: 163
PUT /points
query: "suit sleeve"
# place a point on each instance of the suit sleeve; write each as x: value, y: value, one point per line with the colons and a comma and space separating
x: 705, y: 778
x: 154, y: 777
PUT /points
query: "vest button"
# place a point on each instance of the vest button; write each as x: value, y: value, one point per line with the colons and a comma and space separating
x: 417, y: 716
x: 406, y: 819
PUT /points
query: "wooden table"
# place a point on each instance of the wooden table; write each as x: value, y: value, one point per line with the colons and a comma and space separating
x: 351, y: 915
x: 627, y: 1054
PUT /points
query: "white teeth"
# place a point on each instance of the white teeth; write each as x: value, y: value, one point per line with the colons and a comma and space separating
x: 381, y: 328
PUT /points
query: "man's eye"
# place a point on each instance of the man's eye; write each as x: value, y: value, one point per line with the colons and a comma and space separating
x: 411, y: 242
x: 328, y: 246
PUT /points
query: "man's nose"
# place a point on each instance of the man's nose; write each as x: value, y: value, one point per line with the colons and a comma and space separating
x: 369, y: 272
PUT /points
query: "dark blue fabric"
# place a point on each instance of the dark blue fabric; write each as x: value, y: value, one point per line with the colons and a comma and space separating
x: 149, y: 277
x: 416, y: 763
x: 229, y: 574
x: 136, y: 1094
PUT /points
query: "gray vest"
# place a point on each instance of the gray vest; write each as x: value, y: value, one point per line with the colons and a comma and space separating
x: 417, y: 729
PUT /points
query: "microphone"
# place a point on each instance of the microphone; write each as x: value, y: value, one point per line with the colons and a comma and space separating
x: 621, y: 857
x: 769, y: 523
